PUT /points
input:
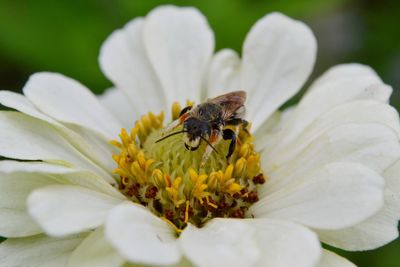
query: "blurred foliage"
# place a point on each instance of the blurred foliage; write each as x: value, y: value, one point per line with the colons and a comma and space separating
x: 65, y: 36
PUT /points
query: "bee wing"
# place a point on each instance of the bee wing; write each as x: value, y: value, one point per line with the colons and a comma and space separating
x: 232, y: 103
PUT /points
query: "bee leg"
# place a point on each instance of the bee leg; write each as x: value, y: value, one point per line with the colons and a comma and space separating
x: 234, y: 122
x: 176, y: 123
x: 228, y: 134
x: 245, y: 124
x: 238, y: 121
x: 184, y: 110
x: 213, y: 140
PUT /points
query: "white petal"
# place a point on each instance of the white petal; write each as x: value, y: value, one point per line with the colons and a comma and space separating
x: 124, y: 61
x: 373, y: 145
x: 361, y: 111
x: 19, y: 179
x: 179, y: 44
x: 95, y: 251
x: 32, y: 139
x: 11, y: 166
x: 60, y: 174
x: 224, y: 73
x: 266, y: 135
x: 258, y: 242
x: 141, y: 237
x: 87, y: 142
x: 377, y: 230
x: 221, y: 242
x: 26, y: 138
x: 335, y: 196
x: 115, y: 100
x: 21, y: 103
x: 14, y: 190
x: 68, y: 101
x: 278, y: 56
x: 285, y: 244
x: 339, y: 85
x: 347, y: 81
x: 90, y: 181
x: 94, y: 147
x: 65, y: 209
x: 330, y: 259
x: 37, y: 251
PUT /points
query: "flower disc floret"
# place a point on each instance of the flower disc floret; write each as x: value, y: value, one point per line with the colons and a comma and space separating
x: 170, y: 180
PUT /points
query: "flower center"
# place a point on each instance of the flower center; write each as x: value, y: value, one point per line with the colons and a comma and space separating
x: 172, y: 182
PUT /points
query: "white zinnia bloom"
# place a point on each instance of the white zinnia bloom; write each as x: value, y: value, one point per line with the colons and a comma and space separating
x: 332, y: 161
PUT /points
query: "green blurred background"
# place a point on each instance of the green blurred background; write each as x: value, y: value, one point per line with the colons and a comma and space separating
x: 65, y: 36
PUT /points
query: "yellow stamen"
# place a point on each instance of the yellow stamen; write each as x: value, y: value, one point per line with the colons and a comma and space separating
x: 172, y: 224
x: 115, y: 143
x: 240, y: 167
x: 211, y: 204
x: 124, y: 180
x: 189, y: 103
x: 174, y: 193
x: 158, y: 178
x: 176, y: 109
x: 170, y: 181
x: 187, y: 212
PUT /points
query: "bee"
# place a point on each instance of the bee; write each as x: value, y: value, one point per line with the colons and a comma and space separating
x: 207, y: 121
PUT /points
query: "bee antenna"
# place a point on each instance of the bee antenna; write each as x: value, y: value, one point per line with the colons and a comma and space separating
x: 167, y: 136
x: 216, y: 151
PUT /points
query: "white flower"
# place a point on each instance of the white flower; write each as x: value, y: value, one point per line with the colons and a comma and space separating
x: 332, y: 161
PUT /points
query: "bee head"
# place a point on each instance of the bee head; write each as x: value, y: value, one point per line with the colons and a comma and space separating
x: 195, y: 129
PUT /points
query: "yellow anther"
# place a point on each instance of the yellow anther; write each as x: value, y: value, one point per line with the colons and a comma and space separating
x: 193, y: 175
x: 212, y: 181
x: 138, y: 172
x: 149, y: 162
x: 228, y: 172
x: 116, y: 158
x: 158, y: 178
x: 199, y: 185
x: 124, y: 137
x: 160, y: 119
x: 220, y: 176
x: 134, y: 133
x: 244, y: 150
x: 253, y: 165
x: 153, y: 119
x: 199, y: 188
x: 167, y: 180
x: 132, y: 150
x: 122, y: 159
x: 115, y: 143
x: 141, y: 159
x: 177, y: 183
x: 187, y: 212
x: 121, y: 172
x: 189, y: 103
x: 233, y: 188
x: 174, y: 194
x: 240, y: 167
x: 176, y: 109
x: 142, y: 132
x: 147, y: 122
